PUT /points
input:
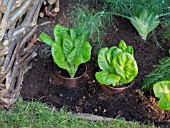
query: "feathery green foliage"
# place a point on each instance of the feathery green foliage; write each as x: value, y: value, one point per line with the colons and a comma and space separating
x: 166, y: 29
x: 161, y: 72
x: 94, y: 20
x: 134, y: 7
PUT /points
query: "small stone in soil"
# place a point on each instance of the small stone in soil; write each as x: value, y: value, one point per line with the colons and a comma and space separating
x: 104, y: 110
x: 89, y: 82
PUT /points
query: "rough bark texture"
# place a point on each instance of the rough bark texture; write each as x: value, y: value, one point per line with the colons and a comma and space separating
x: 18, y: 44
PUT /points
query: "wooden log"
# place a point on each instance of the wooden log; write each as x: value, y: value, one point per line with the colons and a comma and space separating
x: 41, y: 14
x: 56, y: 8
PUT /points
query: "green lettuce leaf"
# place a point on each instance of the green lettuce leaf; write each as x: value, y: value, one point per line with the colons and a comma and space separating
x: 102, y: 60
x: 145, y: 23
x: 164, y: 103
x: 46, y: 39
x: 122, y: 45
x: 104, y: 77
x: 162, y: 91
x: 125, y: 66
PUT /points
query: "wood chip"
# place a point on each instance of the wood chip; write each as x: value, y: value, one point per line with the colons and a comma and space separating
x: 104, y: 110
x: 18, y: 3
x: 41, y: 14
x: 45, y: 3
x: 2, y: 8
x: 6, y: 42
x: 56, y: 10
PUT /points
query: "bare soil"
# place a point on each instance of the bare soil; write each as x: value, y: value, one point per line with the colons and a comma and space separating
x: 40, y: 82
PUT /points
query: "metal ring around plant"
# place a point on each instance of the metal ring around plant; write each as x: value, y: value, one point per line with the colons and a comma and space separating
x: 70, y: 82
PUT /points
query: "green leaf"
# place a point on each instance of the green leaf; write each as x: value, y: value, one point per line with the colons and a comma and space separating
x: 83, y: 31
x: 73, y: 34
x: 102, y: 60
x: 77, y: 51
x: 111, y: 53
x: 46, y: 39
x: 80, y: 54
x: 154, y: 25
x: 130, y: 50
x: 122, y: 45
x: 71, y: 57
x: 140, y: 26
x: 68, y: 46
x: 145, y: 23
x: 125, y: 66
x: 72, y: 70
x: 109, y: 56
x: 161, y: 88
x: 164, y: 103
x: 153, y: 22
x: 162, y: 91
x: 104, y: 77
x: 83, y: 53
x: 58, y: 32
x: 58, y: 56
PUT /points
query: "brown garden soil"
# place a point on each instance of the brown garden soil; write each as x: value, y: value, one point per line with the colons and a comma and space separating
x: 39, y: 83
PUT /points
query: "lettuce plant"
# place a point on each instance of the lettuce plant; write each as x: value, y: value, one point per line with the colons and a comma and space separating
x: 117, y: 64
x: 162, y: 91
x: 69, y: 49
x: 145, y: 15
x: 145, y: 23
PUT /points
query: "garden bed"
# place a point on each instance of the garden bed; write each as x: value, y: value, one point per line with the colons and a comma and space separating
x: 39, y: 82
